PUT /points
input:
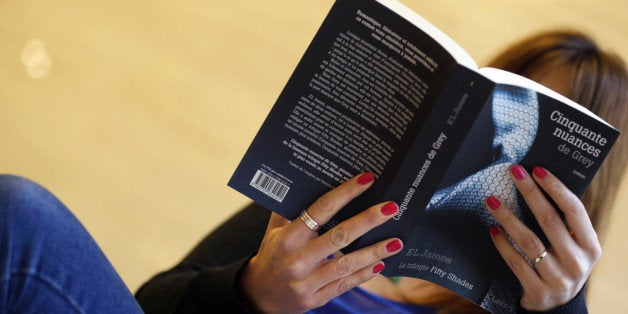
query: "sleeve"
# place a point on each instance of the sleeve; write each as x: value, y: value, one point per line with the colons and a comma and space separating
x: 577, y: 305
x: 208, y: 277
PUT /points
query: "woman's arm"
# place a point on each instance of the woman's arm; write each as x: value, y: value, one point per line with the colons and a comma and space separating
x: 218, y: 259
x: 293, y: 270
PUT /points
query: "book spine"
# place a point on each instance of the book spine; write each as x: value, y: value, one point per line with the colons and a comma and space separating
x: 433, y: 150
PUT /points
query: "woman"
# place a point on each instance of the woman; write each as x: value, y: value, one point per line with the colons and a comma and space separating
x: 290, y: 272
x: 50, y: 262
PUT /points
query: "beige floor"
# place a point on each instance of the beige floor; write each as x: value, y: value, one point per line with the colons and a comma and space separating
x: 135, y: 113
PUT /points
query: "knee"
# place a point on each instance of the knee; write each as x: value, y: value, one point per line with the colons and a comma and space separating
x: 22, y: 199
x: 10, y: 183
x: 17, y: 190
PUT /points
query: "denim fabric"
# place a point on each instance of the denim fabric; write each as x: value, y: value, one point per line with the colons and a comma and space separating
x: 48, y: 261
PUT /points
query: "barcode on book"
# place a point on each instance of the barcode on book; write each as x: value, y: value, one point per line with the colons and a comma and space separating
x: 269, y: 186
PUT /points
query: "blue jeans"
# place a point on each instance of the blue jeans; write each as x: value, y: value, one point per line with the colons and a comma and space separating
x: 48, y: 261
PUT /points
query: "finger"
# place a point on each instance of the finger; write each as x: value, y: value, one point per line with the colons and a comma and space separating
x: 348, y: 264
x: 527, y: 276
x: 518, y: 232
x: 326, y: 206
x: 528, y: 245
x: 544, y: 212
x: 349, y: 230
x: 575, y: 213
x: 344, y: 284
x: 352, y: 269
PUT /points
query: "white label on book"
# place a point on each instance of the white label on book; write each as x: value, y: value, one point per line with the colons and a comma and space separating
x: 269, y: 186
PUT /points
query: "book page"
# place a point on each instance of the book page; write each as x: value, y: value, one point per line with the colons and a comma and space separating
x: 355, y: 102
x: 505, y: 77
x: 454, y: 49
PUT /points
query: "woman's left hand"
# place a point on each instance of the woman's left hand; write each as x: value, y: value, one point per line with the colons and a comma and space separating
x: 550, y: 277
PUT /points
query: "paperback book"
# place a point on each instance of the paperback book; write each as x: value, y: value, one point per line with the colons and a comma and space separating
x: 380, y: 89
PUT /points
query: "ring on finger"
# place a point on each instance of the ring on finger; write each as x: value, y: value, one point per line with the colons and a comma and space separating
x: 540, y: 257
x: 309, y: 221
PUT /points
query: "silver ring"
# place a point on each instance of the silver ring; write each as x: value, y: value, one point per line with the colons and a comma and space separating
x: 540, y: 257
x: 309, y: 222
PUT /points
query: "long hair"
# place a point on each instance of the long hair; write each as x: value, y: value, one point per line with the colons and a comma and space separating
x: 599, y: 82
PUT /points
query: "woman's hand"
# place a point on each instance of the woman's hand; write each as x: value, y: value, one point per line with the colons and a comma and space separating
x: 550, y: 276
x: 292, y: 271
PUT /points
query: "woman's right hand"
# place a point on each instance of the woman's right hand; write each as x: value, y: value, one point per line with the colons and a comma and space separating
x: 292, y: 272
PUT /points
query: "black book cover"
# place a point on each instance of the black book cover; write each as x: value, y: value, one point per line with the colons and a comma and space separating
x: 380, y: 90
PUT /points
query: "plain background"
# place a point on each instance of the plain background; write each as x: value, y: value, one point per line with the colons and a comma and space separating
x: 135, y: 113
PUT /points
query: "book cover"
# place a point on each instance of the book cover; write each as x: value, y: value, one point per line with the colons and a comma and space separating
x: 380, y: 89
x: 449, y: 243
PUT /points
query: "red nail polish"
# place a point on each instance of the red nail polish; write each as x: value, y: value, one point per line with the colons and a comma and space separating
x: 494, y: 231
x: 389, y: 208
x: 539, y: 172
x: 518, y: 172
x: 394, y: 245
x: 365, y: 178
x: 378, y: 268
x: 493, y: 202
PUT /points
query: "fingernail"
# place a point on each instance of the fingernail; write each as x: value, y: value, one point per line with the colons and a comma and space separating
x: 518, y: 172
x: 378, y: 267
x: 494, y: 231
x: 365, y: 178
x: 389, y: 208
x: 539, y: 172
x: 394, y: 245
x: 493, y: 202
